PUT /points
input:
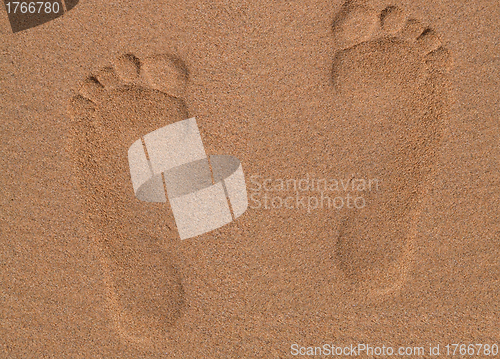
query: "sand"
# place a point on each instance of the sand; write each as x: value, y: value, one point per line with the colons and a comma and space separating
x: 404, y: 95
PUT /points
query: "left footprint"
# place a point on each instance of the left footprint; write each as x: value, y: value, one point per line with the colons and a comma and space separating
x: 24, y: 15
x: 116, y: 106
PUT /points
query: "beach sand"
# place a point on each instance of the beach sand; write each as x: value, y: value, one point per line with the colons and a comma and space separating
x: 404, y: 94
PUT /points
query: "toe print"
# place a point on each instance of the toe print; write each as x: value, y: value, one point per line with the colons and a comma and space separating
x: 391, y: 72
x: 128, y: 67
x: 392, y: 20
x: 355, y: 23
x: 114, y: 107
x: 428, y: 41
x: 166, y: 74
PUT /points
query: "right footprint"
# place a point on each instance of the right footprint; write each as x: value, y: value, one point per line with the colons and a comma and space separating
x: 390, y: 76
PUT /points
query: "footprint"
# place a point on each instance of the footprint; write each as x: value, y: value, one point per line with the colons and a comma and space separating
x: 114, y: 108
x: 390, y: 76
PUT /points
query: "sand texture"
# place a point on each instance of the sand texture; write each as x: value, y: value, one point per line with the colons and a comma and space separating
x: 395, y: 105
